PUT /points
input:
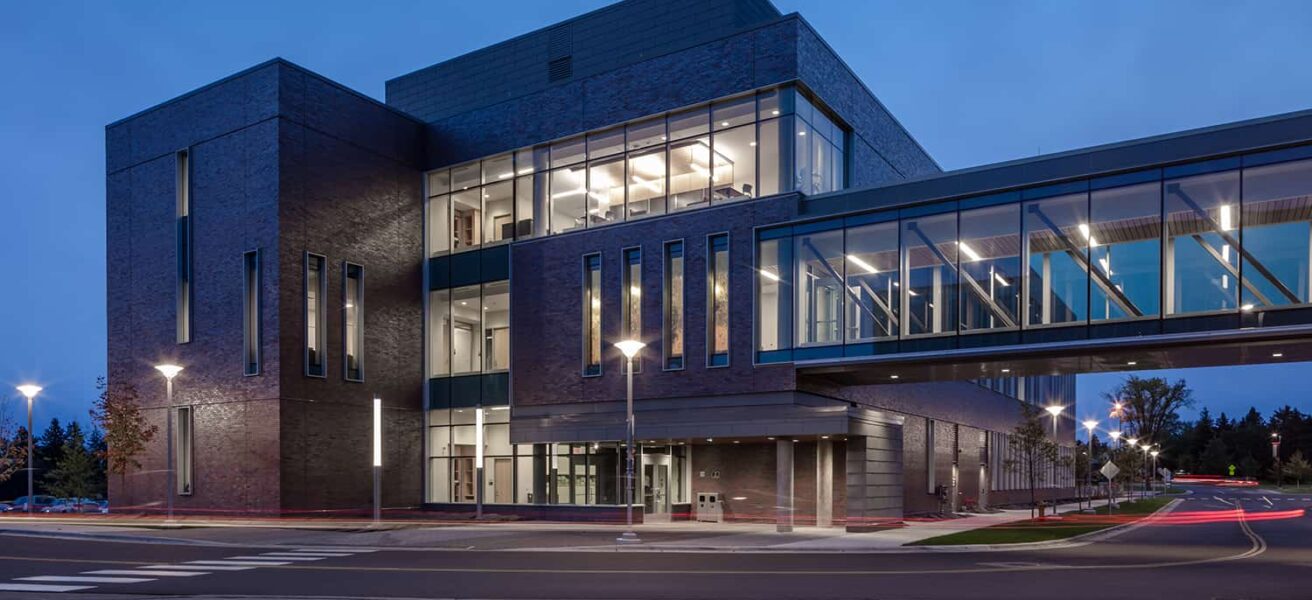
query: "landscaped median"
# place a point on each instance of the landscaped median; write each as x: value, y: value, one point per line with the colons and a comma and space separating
x: 1067, y: 525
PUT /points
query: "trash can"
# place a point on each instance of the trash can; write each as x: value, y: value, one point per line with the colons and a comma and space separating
x: 709, y: 509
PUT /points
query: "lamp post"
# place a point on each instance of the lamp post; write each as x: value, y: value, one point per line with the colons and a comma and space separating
x: 378, y: 459
x: 630, y: 348
x: 29, y: 391
x: 1116, y: 439
x: 478, y: 462
x: 169, y: 372
x: 1144, y: 492
x: 1275, y: 455
x: 1155, y: 453
x: 1055, y: 411
x: 1134, y: 444
x: 1089, y: 425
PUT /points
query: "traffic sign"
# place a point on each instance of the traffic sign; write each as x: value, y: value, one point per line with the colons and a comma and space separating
x: 1109, y: 470
x: 1232, y: 470
x: 1165, y: 473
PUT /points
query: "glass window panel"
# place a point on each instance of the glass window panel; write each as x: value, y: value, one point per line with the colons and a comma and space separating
x: 498, y: 211
x: 821, y: 165
x: 1057, y: 239
x: 464, y: 177
x: 690, y: 123
x: 496, y: 440
x: 466, y: 323
x: 773, y: 294
x: 732, y: 113
x: 569, y: 207
x: 606, y: 191
x: 439, y: 333
x: 802, y: 180
x: 838, y: 164
x: 672, y: 301
x: 717, y: 305
x: 771, y: 164
x: 605, y: 143
x: 1125, y: 241
x: 466, y: 219
x: 990, y: 274
x: 1277, y: 233
x: 592, y: 315
x: 872, y: 281
x: 531, y: 206
x: 820, y: 288
x: 439, y: 438
x: 567, y: 152
x: 646, y: 184
x: 524, y: 475
x: 496, y: 326
x: 316, y: 282
x: 524, y: 160
x: 802, y: 107
x: 439, y: 182
x: 690, y: 174
x: 1201, y: 257
x: 498, y: 168
x: 439, y: 225
x: 929, y: 278
x: 464, y: 416
x: 439, y: 480
x: 645, y: 134
x: 768, y: 104
x: 631, y: 298
x: 734, y: 163
x: 353, y: 326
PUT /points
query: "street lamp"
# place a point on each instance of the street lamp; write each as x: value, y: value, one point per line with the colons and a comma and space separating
x: 630, y: 348
x: 29, y: 391
x: 1155, y: 453
x: 169, y: 372
x: 1116, y: 437
x: 378, y: 459
x: 1145, y: 447
x: 1090, y: 425
x: 1275, y: 455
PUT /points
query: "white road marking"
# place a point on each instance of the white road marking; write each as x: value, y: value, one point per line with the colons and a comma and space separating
x: 197, y: 568
x: 319, y: 554
x: 353, y: 550
x: 294, y: 558
x: 1268, y: 501
x: 1218, y: 499
x: 238, y: 563
x: 36, y: 587
x: 81, y: 579
x: 147, y: 572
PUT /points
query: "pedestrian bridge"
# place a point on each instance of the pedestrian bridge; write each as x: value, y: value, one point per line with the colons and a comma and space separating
x: 1187, y: 250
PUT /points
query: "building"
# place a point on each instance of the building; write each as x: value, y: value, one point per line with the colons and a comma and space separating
x: 837, y: 332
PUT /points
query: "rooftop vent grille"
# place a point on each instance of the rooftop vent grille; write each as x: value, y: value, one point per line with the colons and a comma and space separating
x: 560, y: 69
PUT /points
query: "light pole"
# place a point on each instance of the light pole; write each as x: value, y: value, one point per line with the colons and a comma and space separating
x: 478, y: 462
x: 29, y: 391
x: 1055, y: 411
x: 1134, y: 445
x: 1111, y: 491
x: 169, y: 372
x: 378, y: 459
x: 1155, y: 453
x: 1144, y: 492
x: 630, y: 348
x: 1089, y: 425
x: 1275, y: 455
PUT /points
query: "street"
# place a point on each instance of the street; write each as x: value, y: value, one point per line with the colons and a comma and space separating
x: 1202, y: 549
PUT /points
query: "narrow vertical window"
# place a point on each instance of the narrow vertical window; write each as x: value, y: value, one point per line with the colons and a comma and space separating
x: 183, y: 446
x: 251, y: 312
x: 353, y: 321
x: 592, y: 314
x: 631, y: 293
x: 773, y: 301
x: 183, y: 224
x: 717, y: 301
x: 931, y: 475
x: 672, y: 302
x: 316, y: 288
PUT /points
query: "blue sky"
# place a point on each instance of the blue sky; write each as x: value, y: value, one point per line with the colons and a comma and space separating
x: 975, y: 82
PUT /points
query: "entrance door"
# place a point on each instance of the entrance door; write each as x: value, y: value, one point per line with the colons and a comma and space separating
x: 502, y: 478
x: 656, y: 486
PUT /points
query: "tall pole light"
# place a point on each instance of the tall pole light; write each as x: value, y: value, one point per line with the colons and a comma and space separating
x: 1155, y: 453
x: 29, y: 391
x: 1089, y: 425
x: 1116, y: 439
x: 478, y: 462
x: 1275, y: 453
x: 1055, y: 411
x: 169, y: 372
x: 630, y: 348
x: 1144, y: 492
x: 1134, y: 445
x: 378, y: 459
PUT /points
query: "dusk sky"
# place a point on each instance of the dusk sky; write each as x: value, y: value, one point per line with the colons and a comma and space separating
x: 974, y: 82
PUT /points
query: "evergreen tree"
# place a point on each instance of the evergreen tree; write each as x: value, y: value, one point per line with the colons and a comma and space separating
x: 1298, y: 468
x: 1216, y: 458
x: 75, y: 473
x: 96, y: 446
x: 49, y: 449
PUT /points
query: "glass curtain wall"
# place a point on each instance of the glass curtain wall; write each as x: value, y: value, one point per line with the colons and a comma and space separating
x: 1202, y: 228
x: 769, y: 142
x: 820, y: 289
x: 1057, y: 250
x: 1125, y: 240
x: 929, y: 274
x: 469, y: 330
x: 871, y: 269
x: 1277, y: 222
x: 990, y: 273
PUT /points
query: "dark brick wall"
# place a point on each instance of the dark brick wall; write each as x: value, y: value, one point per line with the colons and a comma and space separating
x: 747, y: 471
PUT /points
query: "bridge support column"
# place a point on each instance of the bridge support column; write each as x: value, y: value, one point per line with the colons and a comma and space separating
x: 783, y: 477
x: 874, y: 475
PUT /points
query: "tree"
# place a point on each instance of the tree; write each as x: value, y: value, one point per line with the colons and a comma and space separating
x: 118, y: 413
x: 1032, y: 450
x: 13, y: 445
x: 1216, y: 458
x: 74, y: 475
x: 1152, y: 405
x: 96, y: 447
x: 1249, y: 467
x: 1298, y: 468
x: 49, y: 447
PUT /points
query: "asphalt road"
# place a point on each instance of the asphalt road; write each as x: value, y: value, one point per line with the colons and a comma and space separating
x: 1202, y: 550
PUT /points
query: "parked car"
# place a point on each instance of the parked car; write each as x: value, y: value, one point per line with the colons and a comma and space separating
x: 39, y: 501
x: 61, y: 505
x: 87, y: 505
x: 5, y: 507
x: 104, y: 507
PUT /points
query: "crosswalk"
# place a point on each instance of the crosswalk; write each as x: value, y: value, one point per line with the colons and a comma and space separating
x: 193, y: 568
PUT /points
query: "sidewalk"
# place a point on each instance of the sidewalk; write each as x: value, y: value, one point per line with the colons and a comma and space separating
x: 537, y: 537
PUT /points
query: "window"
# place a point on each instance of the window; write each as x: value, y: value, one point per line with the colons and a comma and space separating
x: 1125, y: 243
x: 820, y: 288
x: 183, y: 449
x: 631, y: 298
x: 872, y: 282
x: 606, y: 191
x: 251, y: 312
x: 439, y: 333
x: 690, y: 173
x: 717, y: 301
x: 929, y: 278
x: 989, y: 276
x: 183, y: 241
x: 931, y: 470
x: 353, y: 321
x: 466, y: 328
x: 466, y: 219
x: 439, y: 213
x: 734, y: 165
x: 773, y: 301
x: 499, y: 212
x: 771, y: 158
x: 1202, y: 245
x: 569, y: 195
x: 1276, y: 224
x: 592, y: 314
x: 646, y: 184
x: 1057, y: 249
x: 672, y: 306
x: 496, y: 326
x: 316, y: 321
